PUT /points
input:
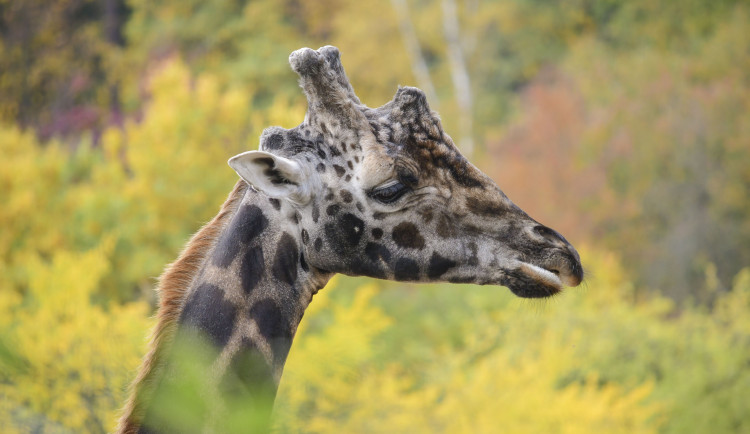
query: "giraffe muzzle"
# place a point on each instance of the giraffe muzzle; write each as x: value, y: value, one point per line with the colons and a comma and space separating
x: 538, y: 279
x: 564, y: 269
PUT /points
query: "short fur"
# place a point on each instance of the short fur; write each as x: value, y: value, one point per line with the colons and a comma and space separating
x: 173, y: 285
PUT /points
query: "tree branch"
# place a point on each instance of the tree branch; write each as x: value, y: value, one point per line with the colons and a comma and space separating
x: 418, y: 64
x: 460, y: 75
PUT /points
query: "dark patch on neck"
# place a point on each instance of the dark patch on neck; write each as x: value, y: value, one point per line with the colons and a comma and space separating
x: 406, y: 234
x: 377, y: 233
x: 339, y: 170
x: 318, y: 244
x: 246, y: 225
x: 275, y: 202
x: 284, y: 266
x: 406, y: 269
x: 321, y: 168
x: 346, y: 196
x: 209, y: 313
x: 250, y: 387
x: 274, y: 326
x: 439, y: 266
x: 251, y: 270
x: 305, y: 237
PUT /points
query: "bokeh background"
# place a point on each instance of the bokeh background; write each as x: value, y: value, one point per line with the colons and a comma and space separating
x: 623, y: 124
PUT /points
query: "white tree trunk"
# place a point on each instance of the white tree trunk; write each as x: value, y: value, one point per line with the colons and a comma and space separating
x: 418, y: 64
x: 460, y: 75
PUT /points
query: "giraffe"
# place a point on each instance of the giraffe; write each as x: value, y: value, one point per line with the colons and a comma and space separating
x: 354, y: 190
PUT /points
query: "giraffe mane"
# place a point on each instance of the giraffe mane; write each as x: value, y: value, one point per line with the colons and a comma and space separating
x: 173, y: 285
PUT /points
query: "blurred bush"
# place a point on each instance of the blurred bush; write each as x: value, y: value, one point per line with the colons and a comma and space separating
x: 446, y: 358
x: 643, y: 150
x: 66, y: 360
x: 631, y: 120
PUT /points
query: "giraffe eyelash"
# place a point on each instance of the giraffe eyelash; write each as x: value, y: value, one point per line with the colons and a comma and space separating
x: 389, y: 193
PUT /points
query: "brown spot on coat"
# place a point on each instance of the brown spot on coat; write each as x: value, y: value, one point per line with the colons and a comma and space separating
x: 284, y: 266
x: 439, y: 266
x: 406, y: 269
x: 332, y: 210
x: 406, y: 234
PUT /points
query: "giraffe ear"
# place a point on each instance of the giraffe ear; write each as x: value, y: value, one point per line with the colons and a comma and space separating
x: 275, y: 176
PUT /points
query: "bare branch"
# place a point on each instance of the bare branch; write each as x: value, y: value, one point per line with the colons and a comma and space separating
x: 460, y: 75
x: 418, y: 64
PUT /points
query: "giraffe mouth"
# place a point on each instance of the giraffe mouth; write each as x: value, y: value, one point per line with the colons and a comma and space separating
x: 546, y: 276
x: 532, y: 281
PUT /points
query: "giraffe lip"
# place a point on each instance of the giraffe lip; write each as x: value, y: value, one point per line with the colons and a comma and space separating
x: 547, y: 277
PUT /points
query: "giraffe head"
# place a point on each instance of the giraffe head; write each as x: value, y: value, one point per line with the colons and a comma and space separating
x: 385, y: 193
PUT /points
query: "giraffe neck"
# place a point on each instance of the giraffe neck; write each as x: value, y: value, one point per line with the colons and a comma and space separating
x: 239, y: 319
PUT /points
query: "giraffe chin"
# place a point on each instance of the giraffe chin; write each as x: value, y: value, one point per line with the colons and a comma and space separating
x: 531, y: 281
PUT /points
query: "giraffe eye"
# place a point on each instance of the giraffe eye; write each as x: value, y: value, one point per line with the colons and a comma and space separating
x: 390, y: 193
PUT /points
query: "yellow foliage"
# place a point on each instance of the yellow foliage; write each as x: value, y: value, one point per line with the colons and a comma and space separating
x: 77, y: 356
x: 335, y: 381
x: 504, y: 393
x: 83, y: 228
x: 329, y: 382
